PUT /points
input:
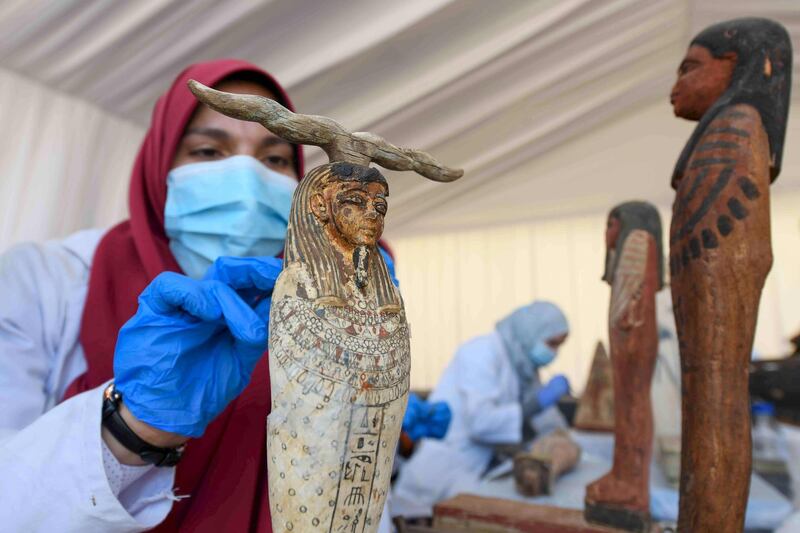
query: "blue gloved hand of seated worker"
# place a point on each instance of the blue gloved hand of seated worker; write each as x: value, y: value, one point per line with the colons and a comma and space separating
x: 426, y: 420
x: 191, y: 347
x: 389, y: 265
x: 549, y: 394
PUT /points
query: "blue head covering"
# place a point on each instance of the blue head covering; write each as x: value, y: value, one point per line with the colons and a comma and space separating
x: 523, y: 328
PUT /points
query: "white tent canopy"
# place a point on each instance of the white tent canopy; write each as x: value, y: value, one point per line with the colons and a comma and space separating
x: 556, y: 109
x: 487, y: 86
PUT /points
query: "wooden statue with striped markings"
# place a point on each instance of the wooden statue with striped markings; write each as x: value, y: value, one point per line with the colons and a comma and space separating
x: 634, y: 268
x: 735, y: 80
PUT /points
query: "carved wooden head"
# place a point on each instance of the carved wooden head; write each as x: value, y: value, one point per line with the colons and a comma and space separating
x: 702, y: 79
x: 622, y: 220
x: 740, y: 61
x: 337, y: 216
x: 352, y: 206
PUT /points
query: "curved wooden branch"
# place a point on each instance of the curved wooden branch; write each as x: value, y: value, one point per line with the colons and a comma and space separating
x: 341, y: 145
x: 296, y: 128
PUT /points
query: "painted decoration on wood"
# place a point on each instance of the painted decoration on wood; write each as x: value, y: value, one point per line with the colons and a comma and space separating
x: 634, y: 268
x: 735, y: 80
x: 339, y: 342
x: 596, y: 406
x: 537, y: 470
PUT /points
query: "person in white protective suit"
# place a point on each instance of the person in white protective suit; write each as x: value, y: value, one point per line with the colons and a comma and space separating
x: 493, y: 389
x: 134, y: 384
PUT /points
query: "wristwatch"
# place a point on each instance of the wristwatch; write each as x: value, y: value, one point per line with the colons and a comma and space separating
x: 113, y: 422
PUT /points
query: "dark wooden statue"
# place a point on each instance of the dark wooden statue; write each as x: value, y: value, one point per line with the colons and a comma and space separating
x: 339, y: 341
x: 735, y: 80
x: 634, y: 268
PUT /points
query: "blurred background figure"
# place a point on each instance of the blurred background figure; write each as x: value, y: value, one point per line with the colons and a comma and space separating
x: 494, y: 391
x: 423, y: 420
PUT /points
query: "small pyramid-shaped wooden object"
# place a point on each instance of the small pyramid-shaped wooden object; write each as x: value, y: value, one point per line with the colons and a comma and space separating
x: 596, y: 406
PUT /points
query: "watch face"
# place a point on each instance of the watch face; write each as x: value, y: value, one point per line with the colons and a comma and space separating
x: 110, y: 393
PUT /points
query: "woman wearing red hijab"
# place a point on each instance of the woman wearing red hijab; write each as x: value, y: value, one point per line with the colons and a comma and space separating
x: 188, y: 361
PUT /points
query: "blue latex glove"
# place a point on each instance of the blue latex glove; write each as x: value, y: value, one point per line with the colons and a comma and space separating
x: 389, y: 265
x: 253, y: 278
x: 438, y: 420
x: 548, y: 395
x: 426, y: 420
x: 192, y: 345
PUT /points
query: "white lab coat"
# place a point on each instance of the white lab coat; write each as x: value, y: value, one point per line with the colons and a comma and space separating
x: 483, y: 391
x: 52, y: 474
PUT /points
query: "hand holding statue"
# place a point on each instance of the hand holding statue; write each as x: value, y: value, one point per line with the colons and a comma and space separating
x: 191, y: 347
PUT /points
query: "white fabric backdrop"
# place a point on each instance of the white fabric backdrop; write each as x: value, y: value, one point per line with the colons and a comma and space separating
x: 65, y: 166
x: 457, y: 285
x: 487, y: 86
x: 64, y: 163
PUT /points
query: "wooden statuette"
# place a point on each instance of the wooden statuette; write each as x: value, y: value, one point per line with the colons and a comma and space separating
x: 735, y: 80
x: 536, y: 471
x: 634, y: 268
x: 339, y: 344
x: 596, y: 406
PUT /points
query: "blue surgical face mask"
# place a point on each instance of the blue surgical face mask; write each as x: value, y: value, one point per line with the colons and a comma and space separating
x: 231, y: 207
x: 541, y: 354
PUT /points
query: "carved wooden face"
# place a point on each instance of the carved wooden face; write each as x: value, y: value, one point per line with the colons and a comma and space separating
x: 353, y: 210
x: 612, y: 232
x: 702, y: 79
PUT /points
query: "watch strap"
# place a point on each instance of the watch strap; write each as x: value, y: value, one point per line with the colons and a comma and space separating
x: 116, y: 425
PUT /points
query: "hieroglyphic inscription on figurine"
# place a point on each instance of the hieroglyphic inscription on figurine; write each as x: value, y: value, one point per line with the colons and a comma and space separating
x: 333, y: 356
x: 634, y: 264
x: 735, y: 80
x: 339, y: 341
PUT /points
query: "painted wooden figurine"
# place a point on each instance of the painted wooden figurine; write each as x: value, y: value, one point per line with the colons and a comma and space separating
x: 735, y: 79
x: 551, y: 456
x: 339, y: 343
x: 634, y: 268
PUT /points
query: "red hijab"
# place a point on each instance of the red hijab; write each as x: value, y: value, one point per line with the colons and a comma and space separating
x: 224, y: 471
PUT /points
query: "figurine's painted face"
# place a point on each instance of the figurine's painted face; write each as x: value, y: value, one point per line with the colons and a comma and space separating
x: 702, y: 79
x: 357, y: 210
x: 612, y: 232
x: 613, y: 227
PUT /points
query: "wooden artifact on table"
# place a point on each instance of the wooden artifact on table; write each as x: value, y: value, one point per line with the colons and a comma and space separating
x: 477, y: 514
x: 735, y: 79
x: 339, y: 345
x: 536, y: 471
x: 634, y: 268
x: 596, y: 405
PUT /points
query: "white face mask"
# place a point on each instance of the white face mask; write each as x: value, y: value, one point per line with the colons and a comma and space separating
x: 231, y: 207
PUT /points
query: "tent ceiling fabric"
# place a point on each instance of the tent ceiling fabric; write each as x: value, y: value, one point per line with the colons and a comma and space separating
x: 487, y: 86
